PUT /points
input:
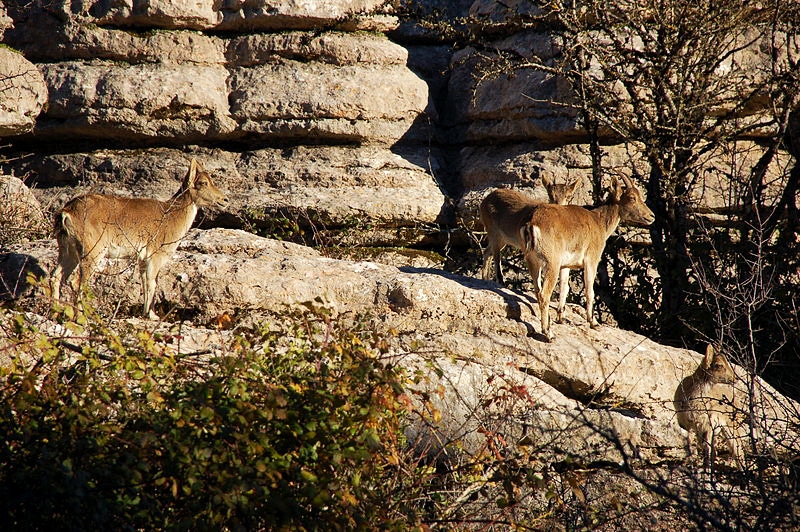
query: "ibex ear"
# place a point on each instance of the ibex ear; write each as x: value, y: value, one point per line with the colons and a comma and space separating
x: 572, y: 187
x: 616, y: 188
x: 709, y: 356
x: 546, y: 181
x: 191, y: 175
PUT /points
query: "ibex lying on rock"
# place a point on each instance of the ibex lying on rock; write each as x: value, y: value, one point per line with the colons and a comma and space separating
x: 504, y: 211
x: 559, y: 238
x: 94, y: 226
x: 704, y: 403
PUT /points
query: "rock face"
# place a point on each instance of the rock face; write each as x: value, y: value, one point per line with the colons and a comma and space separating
x: 23, y: 93
x: 322, y: 123
x: 21, y: 215
x: 494, y: 372
x: 336, y: 120
x: 337, y: 112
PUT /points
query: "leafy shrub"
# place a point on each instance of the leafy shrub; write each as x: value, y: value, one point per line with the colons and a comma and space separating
x: 293, y: 427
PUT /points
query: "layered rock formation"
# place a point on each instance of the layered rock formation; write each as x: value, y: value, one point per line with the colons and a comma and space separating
x: 328, y: 122
x: 579, y: 397
x: 337, y: 118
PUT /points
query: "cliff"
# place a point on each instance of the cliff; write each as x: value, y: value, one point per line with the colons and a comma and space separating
x: 347, y: 122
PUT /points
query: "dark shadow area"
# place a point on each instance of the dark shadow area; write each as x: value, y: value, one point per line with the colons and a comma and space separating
x: 14, y: 271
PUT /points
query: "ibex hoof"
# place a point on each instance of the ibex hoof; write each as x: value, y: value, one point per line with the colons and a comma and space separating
x: 152, y: 315
x: 594, y: 324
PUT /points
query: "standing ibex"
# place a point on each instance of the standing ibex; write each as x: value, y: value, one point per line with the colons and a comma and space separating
x: 94, y: 226
x: 504, y: 211
x: 559, y: 238
x: 704, y: 403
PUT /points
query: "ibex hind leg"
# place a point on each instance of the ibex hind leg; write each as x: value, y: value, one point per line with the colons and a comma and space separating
x: 589, y: 273
x: 549, y: 275
x: 148, y: 269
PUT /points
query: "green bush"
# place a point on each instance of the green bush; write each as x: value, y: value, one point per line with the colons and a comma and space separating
x: 295, y: 427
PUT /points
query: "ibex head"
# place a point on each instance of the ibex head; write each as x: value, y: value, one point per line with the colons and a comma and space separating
x: 201, y: 188
x: 632, y: 206
x: 716, y: 368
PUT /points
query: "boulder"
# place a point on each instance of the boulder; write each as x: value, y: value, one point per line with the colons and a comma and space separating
x: 21, y: 215
x: 185, y: 102
x: 23, y: 93
x: 345, y: 103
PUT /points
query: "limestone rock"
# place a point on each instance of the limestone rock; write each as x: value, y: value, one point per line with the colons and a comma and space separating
x: 351, y: 102
x: 102, y: 100
x: 509, y: 106
x: 23, y: 93
x: 21, y: 215
x: 336, y: 48
x: 257, y: 14
x: 481, y: 363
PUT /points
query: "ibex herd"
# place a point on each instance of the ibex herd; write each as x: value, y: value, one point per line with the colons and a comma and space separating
x: 554, y: 239
x: 557, y: 238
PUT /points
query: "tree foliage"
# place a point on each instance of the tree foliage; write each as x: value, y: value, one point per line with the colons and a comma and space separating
x: 286, y: 428
x: 699, y: 92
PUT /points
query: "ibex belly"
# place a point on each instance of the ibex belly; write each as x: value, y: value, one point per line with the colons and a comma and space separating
x: 115, y: 250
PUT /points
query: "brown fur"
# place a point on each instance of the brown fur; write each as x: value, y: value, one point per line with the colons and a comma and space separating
x: 91, y: 227
x: 504, y: 211
x: 559, y: 238
x: 704, y: 404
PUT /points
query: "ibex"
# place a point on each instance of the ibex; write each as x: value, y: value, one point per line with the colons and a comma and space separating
x: 504, y: 211
x: 94, y: 226
x: 559, y: 238
x: 703, y: 401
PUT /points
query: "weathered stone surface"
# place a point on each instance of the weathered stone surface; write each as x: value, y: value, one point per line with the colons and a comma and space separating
x: 102, y: 100
x: 355, y: 102
x: 524, y: 165
x: 336, y: 48
x: 360, y: 188
x: 493, y: 374
x: 504, y: 14
x: 23, y: 93
x: 21, y: 215
x: 5, y: 20
x: 508, y: 106
x: 185, y: 87
x: 251, y: 15
x: 86, y: 42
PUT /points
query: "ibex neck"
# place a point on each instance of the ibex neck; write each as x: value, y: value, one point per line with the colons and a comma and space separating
x: 181, y: 207
x: 609, y: 217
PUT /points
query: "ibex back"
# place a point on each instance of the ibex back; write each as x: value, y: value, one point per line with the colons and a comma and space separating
x: 559, y: 238
x: 91, y: 227
x: 504, y: 211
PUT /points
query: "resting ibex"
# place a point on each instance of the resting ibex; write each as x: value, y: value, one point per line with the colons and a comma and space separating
x: 94, y: 226
x: 704, y: 403
x: 504, y: 211
x: 559, y: 238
